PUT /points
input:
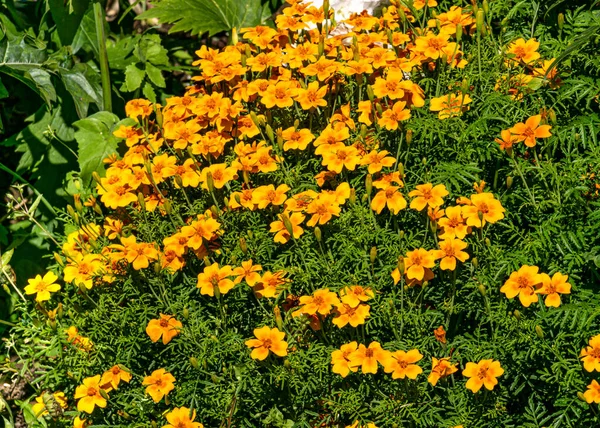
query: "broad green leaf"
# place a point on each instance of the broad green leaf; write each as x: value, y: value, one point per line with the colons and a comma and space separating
x: 119, y: 53
x: 67, y: 16
x: 150, y: 49
x: 205, y: 16
x: 95, y: 142
x: 43, y: 82
x: 133, y: 77
x: 155, y: 75
x: 3, y: 91
x: 84, y: 85
x: 149, y: 92
x: 86, y: 33
x: 5, y: 258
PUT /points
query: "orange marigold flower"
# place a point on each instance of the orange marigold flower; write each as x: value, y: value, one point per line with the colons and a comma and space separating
x: 322, y: 209
x: 592, y: 395
x: 353, y: 315
x: 214, y: 277
x: 530, y: 130
x: 450, y: 105
x: 113, y: 377
x: 247, y: 272
x: 312, y: 96
x: 204, y: 228
x: 390, y: 197
x: 440, y: 334
x: 390, y: 85
x: 427, y: 195
x: 269, y: 284
x: 507, y: 140
x: 42, y: 287
x: 440, y: 368
x: 221, y: 174
x: 89, y: 395
x: 166, y: 326
x: 401, y: 364
x: 390, y: 117
x: 296, y: 139
x: 138, y: 108
x: 131, y: 134
x: 321, y: 301
x: 431, y: 45
x: 590, y: 355
x: 264, y: 196
x: 280, y: 228
x: 341, y: 359
x: 451, y: 250
x: 483, y: 373
x: 82, y: 269
x: 553, y: 287
x: 522, y: 283
x: 280, y: 94
x: 525, y: 51
x: 182, y: 417
x: 339, y: 156
x: 416, y: 261
x: 367, y: 358
x: 484, y: 208
x: 356, y: 294
x: 267, y: 340
x: 159, y: 384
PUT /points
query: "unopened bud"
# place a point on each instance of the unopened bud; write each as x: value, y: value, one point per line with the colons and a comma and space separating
x: 486, y: 7
x: 254, y: 118
x: 97, y: 178
x: 234, y: 36
x: 77, y: 201
x: 210, y: 183
x: 370, y: 93
x: 352, y: 196
x: 488, y: 242
x: 480, y: 22
x: 270, y: 133
x: 186, y: 313
x: 363, y: 130
x: 373, y: 254
x: 509, y: 182
x: 278, y: 319
x: 286, y: 364
x: 459, y: 33
x: 141, y: 201
x: 424, y: 160
x: 318, y: 234
x: 194, y: 362
x: 581, y: 396
x: 539, y: 332
x: 71, y: 211
x: 157, y: 267
x: 59, y: 260
x: 369, y: 184
x: 178, y: 181
x: 475, y: 262
x: 104, y: 394
x: 168, y: 207
x: 243, y: 245
x: 464, y: 87
x: 400, y: 264
x: 561, y: 20
x: 401, y: 169
x: 409, y: 135
x: 552, y: 116
x: 215, y: 211
x: 288, y: 224
x: 482, y: 289
x: 425, y: 284
x: 517, y: 314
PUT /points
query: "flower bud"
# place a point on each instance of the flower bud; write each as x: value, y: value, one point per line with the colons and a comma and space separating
x: 71, y: 211
x: 234, y: 36
x: 373, y: 254
x: 286, y: 364
x: 425, y: 284
x: 141, y: 201
x: 480, y: 22
x: 194, y: 362
x: 475, y: 262
x: 288, y: 224
x: 517, y: 314
x: 352, y: 196
x: 581, y: 396
x: 215, y: 211
x: 186, y: 313
x: 178, y: 181
x: 270, y: 133
x: 250, y: 234
x: 561, y: 20
x: 318, y: 235
x: 97, y: 179
x: 424, y: 160
x: 509, y: 182
x: 488, y: 242
x: 243, y: 245
x: 168, y: 207
x: 482, y: 289
x: 369, y: 184
x: 400, y: 264
x: 246, y: 177
x: 278, y: 319
x: 77, y: 201
x: 459, y: 33
x: 59, y: 260
x: 370, y: 93
x: 486, y: 7
x: 156, y: 267
x: 363, y: 130
x: 552, y: 116
x: 539, y: 332
x: 465, y: 86
x: 409, y: 135
x: 210, y: 183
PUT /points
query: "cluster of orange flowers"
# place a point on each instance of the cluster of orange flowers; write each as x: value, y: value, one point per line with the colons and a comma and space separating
x: 590, y: 357
x: 528, y: 284
x: 526, y: 132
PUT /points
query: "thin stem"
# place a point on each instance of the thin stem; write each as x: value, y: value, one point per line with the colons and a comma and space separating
x: 13, y: 284
x: 103, y: 57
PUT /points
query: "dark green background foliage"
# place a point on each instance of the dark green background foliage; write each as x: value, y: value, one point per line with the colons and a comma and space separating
x: 556, y: 227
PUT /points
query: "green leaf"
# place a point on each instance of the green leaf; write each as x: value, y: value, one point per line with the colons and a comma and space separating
x: 133, y: 77
x: 155, y: 75
x: 150, y: 49
x: 205, y: 16
x: 6, y: 256
x: 43, y: 82
x: 95, y: 141
x: 3, y: 91
x: 119, y: 53
x: 67, y: 16
x: 149, y: 92
x: 86, y: 33
x: 84, y: 85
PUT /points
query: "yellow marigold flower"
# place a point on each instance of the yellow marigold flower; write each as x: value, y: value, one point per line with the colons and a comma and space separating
x: 182, y: 417
x: 353, y: 315
x: 264, y: 196
x: 159, y: 384
x: 269, y: 284
x: 296, y: 139
x: 339, y: 156
x: 166, y: 326
x: 450, y: 19
x: 280, y: 94
x: 323, y: 68
x: 592, y: 395
x: 80, y: 423
x: 450, y: 105
x: 267, y: 340
x: 312, y: 96
x: 431, y: 45
x: 279, y: 227
x: 530, y: 130
x: 340, y: 359
x: 82, y: 269
x: 221, y: 175
x: 113, y: 377
x: 322, y: 209
x: 89, y: 395
x: 77, y: 340
x: 365, y: 108
x: 427, y: 195
x: 390, y: 197
x: 131, y: 134
x: 523, y: 283
x: 42, y: 287
x: 390, y: 85
x: 263, y: 160
x: 417, y: 261
x: 204, y: 228
x: 356, y: 294
x: 330, y: 136
x: 390, y: 117
x: 590, y: 355
x: 322, y: 301
x: 138, y: 254
x: 367, y: 358
x: 525, y: 51
x: 342, y: 115
x: 440, y: 368
x: 247, y: 272
x: 483, y: 208
x: 451, y: 250
x: 138, y: 108
x: 212, y: 276
x: 420, y: 4
x: 401, y: 364
x: 553, y: 287
x: 483, y: 373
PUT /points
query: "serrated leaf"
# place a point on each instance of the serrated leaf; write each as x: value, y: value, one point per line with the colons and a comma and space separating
x: 84, y: 85
x: 6, y: 256
x: 150, y: 49
x: 133, y: 77
x: 86, y: 33
x: 155, y: 75
x: 205, y: 16
x: 3, y: 91
x: 149, y: 92
x: 95, y: 142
